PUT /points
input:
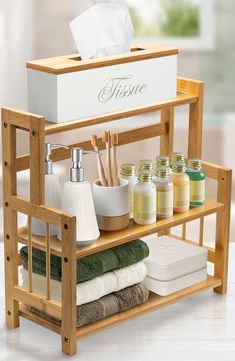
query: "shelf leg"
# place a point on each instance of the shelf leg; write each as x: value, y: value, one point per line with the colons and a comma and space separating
x: 10, y: 218
x: 223, y: 229
x: 166, y: 142
x: 68, y: 327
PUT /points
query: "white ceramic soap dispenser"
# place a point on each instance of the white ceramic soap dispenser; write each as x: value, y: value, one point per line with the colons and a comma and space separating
x: 77, y: 200
x: 52, y: 192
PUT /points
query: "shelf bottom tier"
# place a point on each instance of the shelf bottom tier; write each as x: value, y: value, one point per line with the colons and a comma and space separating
x: 154, y: 302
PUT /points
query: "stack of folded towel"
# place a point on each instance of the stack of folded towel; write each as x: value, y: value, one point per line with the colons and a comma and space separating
x: 108, y: 282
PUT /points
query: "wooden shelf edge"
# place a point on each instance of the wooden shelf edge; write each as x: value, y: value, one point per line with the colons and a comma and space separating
x: 154, y: 303
x: 182, y: 98
x: 131, y: 232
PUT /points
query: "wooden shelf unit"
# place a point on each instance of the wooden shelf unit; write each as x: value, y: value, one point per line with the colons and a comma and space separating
x: 190, y: 93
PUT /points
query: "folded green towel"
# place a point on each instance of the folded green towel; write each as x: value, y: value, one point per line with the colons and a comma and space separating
x: 106, y: 306
x: 91, y: 266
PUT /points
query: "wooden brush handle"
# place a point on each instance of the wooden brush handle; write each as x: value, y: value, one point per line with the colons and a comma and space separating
x: 109, y: 174
x: 103, y: 180
x: 114, y: 168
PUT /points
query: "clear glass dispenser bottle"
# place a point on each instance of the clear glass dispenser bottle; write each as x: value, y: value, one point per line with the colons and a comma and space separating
x: 180, y: 188
x: 197, y: 182
x: 128, y: 173
x: 145, y: 199
x: 164, y: 188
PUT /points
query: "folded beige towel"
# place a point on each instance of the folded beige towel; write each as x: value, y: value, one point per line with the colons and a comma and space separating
x: 106, y: 306
x: 94, y: 289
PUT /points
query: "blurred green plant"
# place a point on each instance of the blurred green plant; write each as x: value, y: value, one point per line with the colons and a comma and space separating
x: 171, y: 18
x: 181, y: 18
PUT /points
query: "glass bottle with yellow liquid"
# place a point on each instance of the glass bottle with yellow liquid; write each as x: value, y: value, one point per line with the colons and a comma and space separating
x: 181, y: 185
x: 197, y: 182
x: 144, y: 199
x: 128, y: 173
x: 164, y: 188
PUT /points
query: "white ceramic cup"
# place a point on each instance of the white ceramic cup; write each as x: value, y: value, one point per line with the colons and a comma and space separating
x: 111, y: 201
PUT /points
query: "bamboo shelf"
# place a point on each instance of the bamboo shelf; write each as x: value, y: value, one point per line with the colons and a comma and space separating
x: 190, y: 92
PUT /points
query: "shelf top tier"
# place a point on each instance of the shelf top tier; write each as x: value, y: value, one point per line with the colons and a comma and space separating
x: 133, y: 231
x: 182, y: 98
x: 70, y: 63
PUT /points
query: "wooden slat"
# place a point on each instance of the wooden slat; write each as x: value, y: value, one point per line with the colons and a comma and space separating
x: 181, y: 99
x: 52, y: 308
x: 166, y: 140
x: 68, y: 326
x: 154, y: 303
x: 30, y: 251
x: 10, y: 218
x: 126, y: 137
x: 131, y: 232
x: 223, y: 229
x: 44, y: 213
x: 37, y: 160
x: 201, y: 231
x: 70, y: 63
x: 48, y: 262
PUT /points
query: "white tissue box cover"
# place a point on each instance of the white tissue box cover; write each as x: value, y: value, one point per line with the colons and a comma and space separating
x: 165, y: 288
x: 170, y: 258
x: 92, y: 92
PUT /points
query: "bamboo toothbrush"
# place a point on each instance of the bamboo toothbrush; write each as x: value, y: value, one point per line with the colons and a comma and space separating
x: 114, y: 138
x: 94, y: 142
x: 106, y: 140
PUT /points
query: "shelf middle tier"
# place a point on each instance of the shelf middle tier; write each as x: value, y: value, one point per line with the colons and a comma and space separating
x: 131, y: 232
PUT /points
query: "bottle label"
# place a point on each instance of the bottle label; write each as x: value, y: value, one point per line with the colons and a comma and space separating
x: 144, y: 207
x: 165, y: 203
x: 197, y: 191
x: 181, y: 197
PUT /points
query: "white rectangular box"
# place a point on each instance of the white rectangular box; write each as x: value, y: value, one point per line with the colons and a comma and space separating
x: 67, y: 88
x: 173, y: 265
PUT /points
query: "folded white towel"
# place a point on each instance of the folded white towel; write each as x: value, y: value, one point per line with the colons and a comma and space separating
x: 94, y: 289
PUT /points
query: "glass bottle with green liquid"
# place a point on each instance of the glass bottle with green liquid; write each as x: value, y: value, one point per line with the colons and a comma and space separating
x: 197, y: 182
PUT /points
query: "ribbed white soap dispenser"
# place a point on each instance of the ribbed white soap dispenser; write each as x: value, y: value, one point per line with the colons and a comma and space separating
x: 77, y: 200
x: 52, y: 192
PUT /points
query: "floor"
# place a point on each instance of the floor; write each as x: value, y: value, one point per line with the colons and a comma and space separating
x: 198, y: 329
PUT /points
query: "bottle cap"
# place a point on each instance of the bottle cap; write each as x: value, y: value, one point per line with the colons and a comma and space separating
x: 162, y: 172
x: 146, y: 164
x: 194, y: 163
x: 127, y: 169
x: 144, y: 175
x: 177, y: 157
x: 162, y: 160
x: 48, y: 152
x: 179, y: 167
x: 77, y: 170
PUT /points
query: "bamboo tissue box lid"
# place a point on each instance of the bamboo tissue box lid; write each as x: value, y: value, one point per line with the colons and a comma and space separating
x: 66, y: 88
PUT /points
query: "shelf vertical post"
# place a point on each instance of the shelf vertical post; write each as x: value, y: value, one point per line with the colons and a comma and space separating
x: 166, y: 140
x: 223, y: 228
x: 37, y: 169
x: 68, y: 326
x: 10, y: 218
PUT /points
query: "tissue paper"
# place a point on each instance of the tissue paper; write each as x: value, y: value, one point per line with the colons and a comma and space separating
x: 103, y: 30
